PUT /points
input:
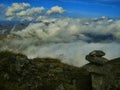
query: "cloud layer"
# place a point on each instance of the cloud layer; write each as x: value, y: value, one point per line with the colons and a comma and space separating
x: 30, y: 12
x: 67, y: 29
x: 68, y: 39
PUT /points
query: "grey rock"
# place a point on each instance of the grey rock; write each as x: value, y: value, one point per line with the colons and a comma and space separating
x: 101, y: 74
x: 97, y: 53
x: 95, y: 57
x: 96, y: 60
x: 98, y: 82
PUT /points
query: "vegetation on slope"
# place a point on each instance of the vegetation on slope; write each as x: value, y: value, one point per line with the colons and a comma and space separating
x: 17, y: 72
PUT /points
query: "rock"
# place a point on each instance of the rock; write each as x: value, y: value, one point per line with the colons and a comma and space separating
x: 97, y: 53
x: 101, y: 74
x: 96, y: 60
x: 20, y: 62
x: 95, y: 57
x: 95, y: 69
x: 17, y: 72
x: 97, y: 82
x: 115, y: 63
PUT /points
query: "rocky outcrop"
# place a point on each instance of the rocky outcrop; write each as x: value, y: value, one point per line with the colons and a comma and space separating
x: 96, y: 57
x: 17, y: 72
x: 102, y: 76
x: 115, y: 63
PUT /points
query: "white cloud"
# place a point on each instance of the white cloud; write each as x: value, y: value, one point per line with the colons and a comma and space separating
x: 10, y: 18
x: 39, y: 18
x: 56, y: 10
x: 70, y: 29
x: 23, y: 11
x: 16, y: 7
x: 30, y: 12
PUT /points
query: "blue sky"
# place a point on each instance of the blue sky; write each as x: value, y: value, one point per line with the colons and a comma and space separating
x: 77, y: 8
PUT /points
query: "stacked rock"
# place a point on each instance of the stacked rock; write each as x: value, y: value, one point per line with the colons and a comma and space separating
x: 96, y: 57
x: 99, y: 70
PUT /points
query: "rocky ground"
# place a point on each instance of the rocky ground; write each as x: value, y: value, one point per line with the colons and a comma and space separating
x: 17, y: 72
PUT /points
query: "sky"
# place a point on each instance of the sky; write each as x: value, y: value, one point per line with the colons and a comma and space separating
x: 72, y: 8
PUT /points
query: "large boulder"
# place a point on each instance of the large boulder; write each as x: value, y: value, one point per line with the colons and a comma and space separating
x: 95, y: 57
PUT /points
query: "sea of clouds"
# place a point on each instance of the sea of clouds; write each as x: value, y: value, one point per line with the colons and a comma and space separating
x: 69, y: 39
x: 65, y: 38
